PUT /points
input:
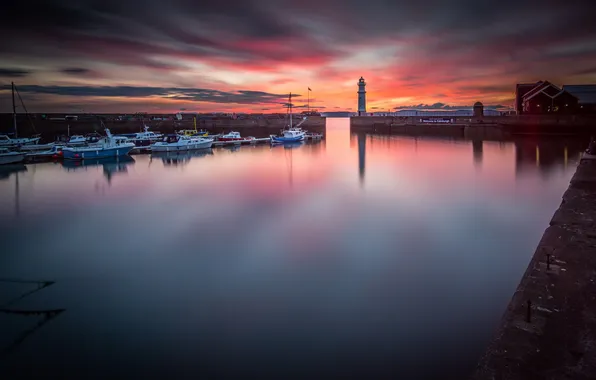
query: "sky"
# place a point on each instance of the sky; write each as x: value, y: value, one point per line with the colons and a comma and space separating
x: 246, y: 56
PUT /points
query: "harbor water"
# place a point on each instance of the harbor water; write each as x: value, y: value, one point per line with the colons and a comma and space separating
x: 374, y: 256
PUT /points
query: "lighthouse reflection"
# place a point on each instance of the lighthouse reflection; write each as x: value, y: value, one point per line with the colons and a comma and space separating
x: 361, y: 157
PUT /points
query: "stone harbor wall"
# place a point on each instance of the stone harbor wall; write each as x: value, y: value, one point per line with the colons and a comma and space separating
x: 549, y: 328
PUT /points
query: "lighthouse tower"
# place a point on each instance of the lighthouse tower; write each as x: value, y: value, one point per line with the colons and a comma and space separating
x: 361, y: 96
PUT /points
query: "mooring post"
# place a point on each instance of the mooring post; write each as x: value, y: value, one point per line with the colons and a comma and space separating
x: 529, y: 312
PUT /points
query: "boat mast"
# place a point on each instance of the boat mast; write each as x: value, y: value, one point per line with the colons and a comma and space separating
x: 290, y: 106
x: 14, y: 113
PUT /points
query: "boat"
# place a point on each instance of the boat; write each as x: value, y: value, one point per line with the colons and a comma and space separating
x: 109, y: 146
x: 37, y: 147
x: 193, y: 132
x: 293, y: 133
x: 8, y: 157
x: 145, y: 138
x: 176, y: 142
x: 51, y: 154
x: 234, y: 136
x: 7, y: 142
x: 289, y: 136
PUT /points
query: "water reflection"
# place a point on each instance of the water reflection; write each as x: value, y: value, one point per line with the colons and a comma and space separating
x: 361, y: 157
x: 7, y: 170
x: 477, y: 146
x: 111, y: 166
x: 180, y: 158
x: 545, y: 154
x: 276, y: 258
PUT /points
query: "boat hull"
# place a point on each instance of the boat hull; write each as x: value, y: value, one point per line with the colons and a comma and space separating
x: 181, y: 148
x: 37, y: 147
x: 70, y: 153
x: 11, y: 158
x: 276, y: 139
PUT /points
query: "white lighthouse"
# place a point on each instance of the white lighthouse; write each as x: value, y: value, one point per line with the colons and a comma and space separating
x: 361, y: 96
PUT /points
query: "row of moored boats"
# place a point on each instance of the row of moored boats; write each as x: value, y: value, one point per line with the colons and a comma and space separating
x: 94, y: 146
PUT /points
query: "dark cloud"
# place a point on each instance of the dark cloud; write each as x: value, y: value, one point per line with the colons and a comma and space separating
x: 13, y: 73
x: 188, y: 94
x: 75, y: 71
x: 247, y: 30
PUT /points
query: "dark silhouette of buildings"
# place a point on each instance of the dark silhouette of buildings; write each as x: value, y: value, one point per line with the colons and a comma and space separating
x: 546, y: 98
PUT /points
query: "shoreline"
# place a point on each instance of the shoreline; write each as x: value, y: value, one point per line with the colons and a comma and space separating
x: 549, y: 327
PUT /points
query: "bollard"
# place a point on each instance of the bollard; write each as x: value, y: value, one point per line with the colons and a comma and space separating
x: 529, y: 312
x: 548, y: 261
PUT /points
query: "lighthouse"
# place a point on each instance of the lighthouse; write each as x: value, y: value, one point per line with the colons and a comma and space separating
x: 361, y: 96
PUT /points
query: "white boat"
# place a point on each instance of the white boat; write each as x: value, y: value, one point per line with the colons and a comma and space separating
x: 235, y: 137
x: 77, y: 140
x: 109, y: 146
x: 145, y: 138
x: 176, y: 143
x: 37, y: 147
x: 80, y: 140
x: 8, y: 157
x: 7, y: 142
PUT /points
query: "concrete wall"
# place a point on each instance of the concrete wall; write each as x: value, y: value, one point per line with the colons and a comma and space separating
x: 258, y: 127
x: 477, y: 127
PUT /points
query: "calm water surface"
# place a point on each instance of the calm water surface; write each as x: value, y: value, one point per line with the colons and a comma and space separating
x: 375, y: 256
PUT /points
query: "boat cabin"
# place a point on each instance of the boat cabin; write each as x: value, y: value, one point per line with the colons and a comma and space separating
x: 292, y: 133
x: 232, y: 135
x: 120, y: 140
x: 171, y: 139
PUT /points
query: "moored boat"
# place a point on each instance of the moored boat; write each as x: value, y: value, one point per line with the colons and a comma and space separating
x: 289, y: 136
x: 109, y: 146
x: 234, y: 136
x: 37, y: 147
x: 8, y: 157
x: 7, y: 142
x: 145, y: 138
x: 293, y: 133
x: 54, y: 153
x: 175, y: 143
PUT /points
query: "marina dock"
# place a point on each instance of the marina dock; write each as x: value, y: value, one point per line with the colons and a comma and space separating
x: 549, y: 328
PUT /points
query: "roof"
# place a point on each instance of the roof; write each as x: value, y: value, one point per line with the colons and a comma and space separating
x: 477, y: 104
x: 586, y: 93
x: 539, y: 86
x: 545, y: 88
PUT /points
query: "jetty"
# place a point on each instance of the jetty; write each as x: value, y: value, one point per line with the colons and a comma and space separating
x: 549, y: 328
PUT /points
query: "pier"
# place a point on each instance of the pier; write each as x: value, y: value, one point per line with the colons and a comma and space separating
x: 549, y: 328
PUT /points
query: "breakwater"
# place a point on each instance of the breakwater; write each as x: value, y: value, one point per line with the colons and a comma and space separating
x: 549, y: 328
x: 478, y: 127
x: 252, y: 126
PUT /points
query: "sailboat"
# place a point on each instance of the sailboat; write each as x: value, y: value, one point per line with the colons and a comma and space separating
x: 292, y: 134
x: 7, y: 142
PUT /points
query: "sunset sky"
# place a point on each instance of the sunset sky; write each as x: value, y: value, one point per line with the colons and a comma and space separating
x: 166, y: 56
